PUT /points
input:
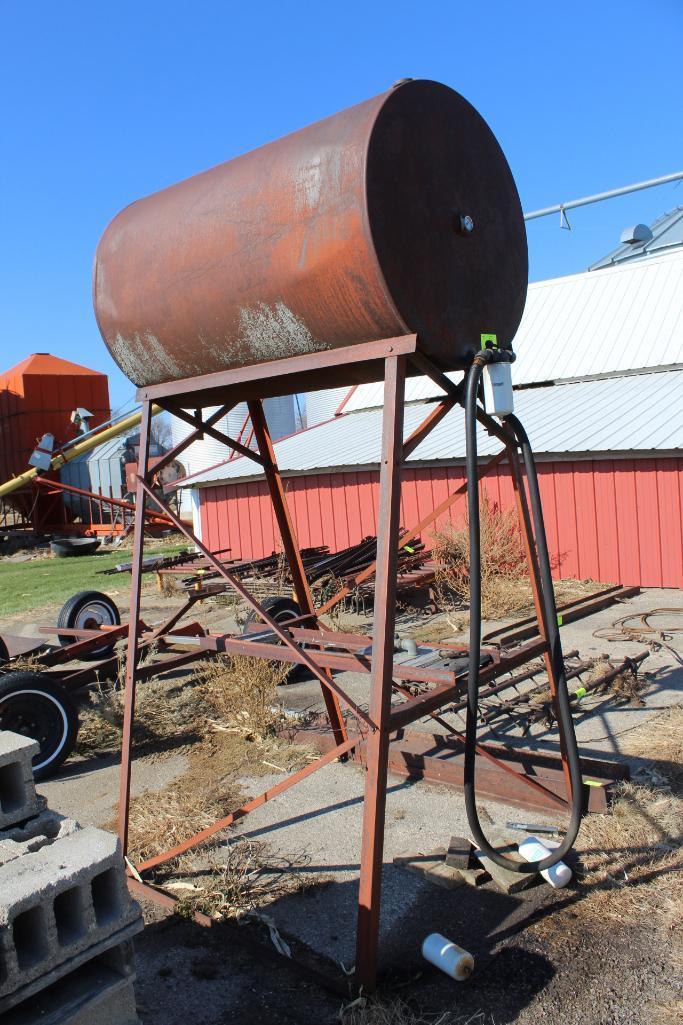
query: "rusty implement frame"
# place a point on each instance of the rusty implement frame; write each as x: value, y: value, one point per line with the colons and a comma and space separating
x: 391, y: 703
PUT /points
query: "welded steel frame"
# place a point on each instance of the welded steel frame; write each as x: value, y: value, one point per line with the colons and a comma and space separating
x: 393, y: 359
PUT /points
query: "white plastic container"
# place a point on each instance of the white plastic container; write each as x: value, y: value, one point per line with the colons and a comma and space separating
x: 557, y: 875
x: 448, y: 956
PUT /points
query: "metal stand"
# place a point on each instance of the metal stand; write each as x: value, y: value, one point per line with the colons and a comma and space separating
x: 327, y: 651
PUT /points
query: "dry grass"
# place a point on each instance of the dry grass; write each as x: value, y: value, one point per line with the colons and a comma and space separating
x: 627, y: 686
x: 660, y: 742
x: 505, y: 587
x: 503, y: 564
x: 24, y: 664
x: 226, y: 694
x: 376, y: 1011
x: 438, y: 628
x: 225, y: 718
x: 242, y: 692
x: 207, y: 791
x: 631, y: 858
x: 168, y: 714
x: 239, y: 876
x: 668, y: 1013
x: 168, y: 585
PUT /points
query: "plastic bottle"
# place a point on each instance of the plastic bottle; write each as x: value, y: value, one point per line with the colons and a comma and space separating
x: 557, y: 875
x: 448, y: 956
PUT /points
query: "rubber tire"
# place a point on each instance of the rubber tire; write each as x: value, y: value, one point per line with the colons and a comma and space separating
x: 70, y: 612
x: 279, y: 609
x: 57, y: 733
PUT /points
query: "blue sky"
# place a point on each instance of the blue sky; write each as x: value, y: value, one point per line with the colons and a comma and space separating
x: 103, y: 103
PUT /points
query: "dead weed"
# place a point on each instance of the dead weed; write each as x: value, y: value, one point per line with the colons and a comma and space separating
x: 631, y: 858
x: 240, y: 875
x: 242, y: 692
x: 505, y: 586
x: 378, y: 1011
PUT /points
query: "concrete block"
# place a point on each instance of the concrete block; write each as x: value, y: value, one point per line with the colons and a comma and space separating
x: 18, y: 798
x: 59, y: 901
x: 42, y: 829
x: 98, y: 992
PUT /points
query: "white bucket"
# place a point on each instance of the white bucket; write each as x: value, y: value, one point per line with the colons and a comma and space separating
x: 448, y: 956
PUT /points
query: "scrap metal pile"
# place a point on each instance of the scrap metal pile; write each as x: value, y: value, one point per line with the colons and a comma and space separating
x: 328, y: 573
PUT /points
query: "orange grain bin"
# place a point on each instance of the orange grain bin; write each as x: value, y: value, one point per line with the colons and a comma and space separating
x: 37, y: 396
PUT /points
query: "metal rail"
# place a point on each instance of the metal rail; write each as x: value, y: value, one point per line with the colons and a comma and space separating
x: 572, y: 204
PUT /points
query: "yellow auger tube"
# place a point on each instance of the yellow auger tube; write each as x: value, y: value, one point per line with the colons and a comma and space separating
x: 76, y: 450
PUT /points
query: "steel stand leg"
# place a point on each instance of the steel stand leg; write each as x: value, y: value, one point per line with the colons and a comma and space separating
x: 372, y: 849
x: 291, y: 547
x: 133, y: 627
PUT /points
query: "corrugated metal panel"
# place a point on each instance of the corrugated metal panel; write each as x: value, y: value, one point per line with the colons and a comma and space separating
x: 367, y: 396
x: 667, y: 233
x: 607, y: 520
x: 598, y: 322
x: 620, y: 319
x: 643, y: 412
x: 322, y: 405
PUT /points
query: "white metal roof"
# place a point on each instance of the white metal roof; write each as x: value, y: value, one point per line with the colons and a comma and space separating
x: 618, y: 319
x: 637, y: 413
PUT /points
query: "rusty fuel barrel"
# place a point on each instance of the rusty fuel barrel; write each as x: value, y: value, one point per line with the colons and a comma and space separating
x: 399, y: 215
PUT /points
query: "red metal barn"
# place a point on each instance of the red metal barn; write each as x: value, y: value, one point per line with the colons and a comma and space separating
x: 603, y: 405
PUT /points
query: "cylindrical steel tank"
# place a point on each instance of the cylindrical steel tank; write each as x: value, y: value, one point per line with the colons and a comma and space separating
x: 395, y: 216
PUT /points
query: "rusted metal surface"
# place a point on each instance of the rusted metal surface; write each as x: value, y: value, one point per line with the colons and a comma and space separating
x: 438, y: 758
x: 291, y: 549
x: 350, y: 365
x: 383, y: 623
x: 134, y: 629
x: 344, y: 232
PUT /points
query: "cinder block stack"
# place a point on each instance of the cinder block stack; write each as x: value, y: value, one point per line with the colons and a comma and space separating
x: 66, y: 918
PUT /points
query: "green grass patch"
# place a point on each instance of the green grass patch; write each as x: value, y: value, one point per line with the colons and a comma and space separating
x: 25, y: 586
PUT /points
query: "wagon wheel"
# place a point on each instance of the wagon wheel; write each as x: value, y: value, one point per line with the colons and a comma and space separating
x: 88, y: 610
x: 40, y: 708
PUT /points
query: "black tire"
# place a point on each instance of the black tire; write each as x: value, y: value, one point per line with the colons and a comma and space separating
x: 87, y: 610
x: 36, y: 707
x: 281, y: 610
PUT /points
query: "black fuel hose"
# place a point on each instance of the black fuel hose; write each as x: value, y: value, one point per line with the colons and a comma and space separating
x: 564, y: 715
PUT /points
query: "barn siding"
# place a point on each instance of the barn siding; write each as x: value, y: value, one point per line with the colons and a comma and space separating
x: 609, y: 520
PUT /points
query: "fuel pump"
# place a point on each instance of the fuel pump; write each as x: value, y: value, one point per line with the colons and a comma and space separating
x: 493, y: 362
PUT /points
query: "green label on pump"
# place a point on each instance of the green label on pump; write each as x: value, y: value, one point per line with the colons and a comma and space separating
x: 559, y: 620
x: 489, y: 341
